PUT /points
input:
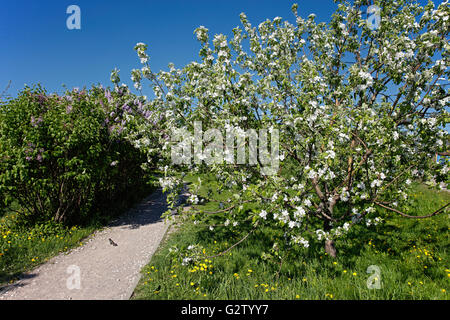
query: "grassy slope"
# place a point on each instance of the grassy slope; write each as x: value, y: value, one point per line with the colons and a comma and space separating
x: 411, y: 254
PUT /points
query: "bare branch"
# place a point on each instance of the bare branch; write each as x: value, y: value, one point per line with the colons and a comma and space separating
x: 234, y: 245
x: 409, y: 216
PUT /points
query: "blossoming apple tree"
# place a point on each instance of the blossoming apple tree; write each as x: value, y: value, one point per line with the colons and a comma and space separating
x: 360, y: 113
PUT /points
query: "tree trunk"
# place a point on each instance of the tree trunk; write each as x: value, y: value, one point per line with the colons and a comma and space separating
x: 330, y: 248
x: 329, y: 244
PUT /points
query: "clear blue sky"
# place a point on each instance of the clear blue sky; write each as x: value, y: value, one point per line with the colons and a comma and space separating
x: 36, y: 45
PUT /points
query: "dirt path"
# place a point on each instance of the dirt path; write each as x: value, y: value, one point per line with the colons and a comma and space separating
x: 99, y: 269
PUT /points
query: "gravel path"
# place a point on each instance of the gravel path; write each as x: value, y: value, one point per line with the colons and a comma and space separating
x: 99, y: 269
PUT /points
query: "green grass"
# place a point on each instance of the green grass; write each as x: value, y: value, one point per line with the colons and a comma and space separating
x: 412, y: 256
x: 23, y: 248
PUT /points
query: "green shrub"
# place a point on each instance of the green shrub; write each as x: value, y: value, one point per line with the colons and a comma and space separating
x: 64, y: 158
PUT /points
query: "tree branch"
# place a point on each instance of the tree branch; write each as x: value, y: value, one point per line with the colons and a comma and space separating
x: 409, y: 216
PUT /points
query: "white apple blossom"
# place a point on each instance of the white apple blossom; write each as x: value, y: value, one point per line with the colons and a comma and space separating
x: 360, y: 114
x: 263, y: 214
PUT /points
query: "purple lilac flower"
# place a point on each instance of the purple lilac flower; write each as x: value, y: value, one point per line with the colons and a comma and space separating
x: 140, y: 105
x: 147, y: 114
x: 35, y: 122
x: 69, y: 109
x: 41, y: 99
x: 126, y: 108
x: 39, y: 157
x: 108, y: 95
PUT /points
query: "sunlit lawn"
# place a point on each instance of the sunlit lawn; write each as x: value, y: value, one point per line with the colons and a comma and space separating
x: 412, y: 256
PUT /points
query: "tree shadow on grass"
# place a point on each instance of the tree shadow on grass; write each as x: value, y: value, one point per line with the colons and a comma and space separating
x: 5, y: 278
x: 295, y: 261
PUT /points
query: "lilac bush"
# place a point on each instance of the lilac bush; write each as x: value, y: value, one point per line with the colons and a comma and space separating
x: 56, y: 154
